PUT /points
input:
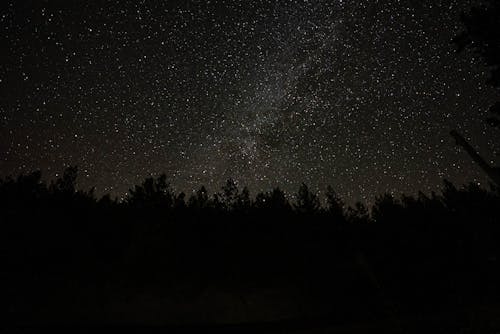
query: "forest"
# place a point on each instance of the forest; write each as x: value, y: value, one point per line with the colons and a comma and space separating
x: 69, y: 255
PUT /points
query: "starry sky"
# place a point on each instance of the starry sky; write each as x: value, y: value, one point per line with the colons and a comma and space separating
x: 358, y: 94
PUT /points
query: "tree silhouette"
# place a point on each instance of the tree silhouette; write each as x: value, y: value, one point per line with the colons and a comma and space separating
x: 243, y: 202
x: 307, y: 202
x: 152, y: 193
x: 482, y: 35
x: 229, y: 194
x: 387, y: 209
x: 179, y: 201
x: 25, y: 190
x: 66, y: 185
x: 199, y: 200
x: 275, y: 200
x: 335, y: 205
x: 358, y: 214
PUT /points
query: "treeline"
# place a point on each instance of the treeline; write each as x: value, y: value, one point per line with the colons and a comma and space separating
x: 64, y: 251
x: 29, y: 192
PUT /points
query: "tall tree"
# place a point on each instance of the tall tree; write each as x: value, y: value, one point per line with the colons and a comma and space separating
x: 482, y: 35
x: 307, y: 201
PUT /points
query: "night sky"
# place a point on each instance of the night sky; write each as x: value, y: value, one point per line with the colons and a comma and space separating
x: 358, y: 94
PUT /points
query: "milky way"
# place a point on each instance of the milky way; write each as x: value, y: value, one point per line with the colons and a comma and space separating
x: 360, y: 95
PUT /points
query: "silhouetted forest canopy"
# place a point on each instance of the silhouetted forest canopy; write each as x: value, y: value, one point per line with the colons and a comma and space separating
x: 69, y: 254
